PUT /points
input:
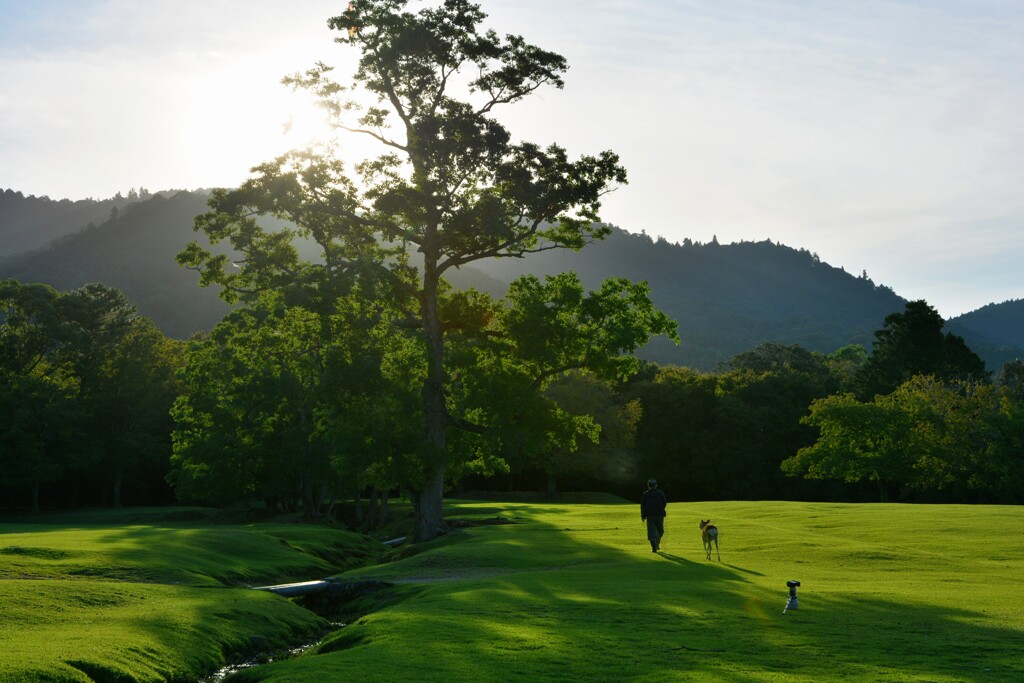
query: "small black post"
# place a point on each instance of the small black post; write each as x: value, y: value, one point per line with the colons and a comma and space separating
x: 792, y: 602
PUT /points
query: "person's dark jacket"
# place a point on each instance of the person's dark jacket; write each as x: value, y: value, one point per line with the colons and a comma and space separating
x: 652, y: 504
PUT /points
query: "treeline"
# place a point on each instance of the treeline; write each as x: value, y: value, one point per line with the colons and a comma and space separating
x: 29, y: 223
x: 731, y: 297
x: 275, y: 410
x: 86, y: 386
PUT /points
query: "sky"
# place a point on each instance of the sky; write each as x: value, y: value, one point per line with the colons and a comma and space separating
x: 885, y: 136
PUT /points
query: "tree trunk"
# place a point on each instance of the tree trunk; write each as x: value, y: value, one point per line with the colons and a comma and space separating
x: 428, y: 506
x: 310, y: 505
x: 384, y: 506
x: 373, y: 508
x: 359, y: 506
x: 118, y: 477
x: 552, y: 486
x: 429, y: 500
x: 309, y: 508
x: 334, y: 499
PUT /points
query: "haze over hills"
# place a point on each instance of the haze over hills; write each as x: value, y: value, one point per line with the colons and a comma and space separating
x: 727, y: 298
x: 994, y: 331
x: 133, y: 251
x: 28, y: 223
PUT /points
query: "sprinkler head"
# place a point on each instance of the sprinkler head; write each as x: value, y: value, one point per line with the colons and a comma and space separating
x: 792, y: 602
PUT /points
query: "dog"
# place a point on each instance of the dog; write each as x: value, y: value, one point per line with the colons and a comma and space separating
x: 709, y: 534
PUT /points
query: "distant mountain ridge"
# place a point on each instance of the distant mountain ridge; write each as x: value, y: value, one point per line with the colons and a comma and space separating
x: 30, y: 222
x: 133, y: 251
x: 726, y: 298
x: 995, y: 332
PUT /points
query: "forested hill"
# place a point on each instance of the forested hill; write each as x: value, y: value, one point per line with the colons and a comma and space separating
x: 995, y: 332
x: 726, y: 298
x: 28, y: 223
x: 729, y: 298
x: 133, y: 251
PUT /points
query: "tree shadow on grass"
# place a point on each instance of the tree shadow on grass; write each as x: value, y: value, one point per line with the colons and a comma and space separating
x: 883, y: 639
x: 571, y: 607
x: 176, y: 610
x: 616, y: 614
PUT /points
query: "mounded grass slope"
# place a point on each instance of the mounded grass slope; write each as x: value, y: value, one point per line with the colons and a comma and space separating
x: 573, y: 593
x: 113, y: 598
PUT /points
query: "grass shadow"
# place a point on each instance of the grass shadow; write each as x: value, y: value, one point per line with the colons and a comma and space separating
x: 548, y: 600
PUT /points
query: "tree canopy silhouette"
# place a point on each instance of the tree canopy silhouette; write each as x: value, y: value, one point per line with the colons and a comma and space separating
x: 450, y: 183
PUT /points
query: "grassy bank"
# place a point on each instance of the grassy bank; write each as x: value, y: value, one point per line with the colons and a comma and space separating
x: 572, y: 592
x: 148, y: 596
x: 569, y: 592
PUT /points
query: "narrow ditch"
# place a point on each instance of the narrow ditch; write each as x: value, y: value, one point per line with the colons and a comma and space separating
x: 336, y: 599
x: 328, y: 598
x: 269, y: 658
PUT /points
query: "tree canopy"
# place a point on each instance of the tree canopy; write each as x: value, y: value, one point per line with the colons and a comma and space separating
x: 912, y: 343
x: 449, y: 183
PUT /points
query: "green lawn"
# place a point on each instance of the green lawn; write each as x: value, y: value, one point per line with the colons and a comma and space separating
x: 890, y: 593
x: 571, y: 592
x: 107, y: 598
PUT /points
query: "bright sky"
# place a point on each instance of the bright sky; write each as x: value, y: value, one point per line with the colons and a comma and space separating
x: 883, y: 135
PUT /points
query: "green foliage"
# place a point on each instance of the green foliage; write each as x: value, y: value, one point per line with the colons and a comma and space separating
x: 547, y: 343
x: 1011, y: 379
x: 858, y: 441
x: 606, y: 453
x: 286, y: 403
x: 85, y: 383
x: 912, y: 343
x: 926, y: 439
x: 724, y: 435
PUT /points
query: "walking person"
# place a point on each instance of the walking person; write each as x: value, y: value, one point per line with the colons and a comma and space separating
x: 652, y: 511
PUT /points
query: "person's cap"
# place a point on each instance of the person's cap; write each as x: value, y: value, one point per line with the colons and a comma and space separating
x: 652, y: 482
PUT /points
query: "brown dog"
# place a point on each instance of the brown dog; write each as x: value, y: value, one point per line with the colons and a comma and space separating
x: 709, y: 534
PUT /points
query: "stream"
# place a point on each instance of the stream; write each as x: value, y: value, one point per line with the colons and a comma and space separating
x: 222, y: 673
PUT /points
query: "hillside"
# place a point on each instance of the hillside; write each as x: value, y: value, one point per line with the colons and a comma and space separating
x: 995, y: 332
x: 134, y: 252
x: 28, y: 223
x: 727, y: 298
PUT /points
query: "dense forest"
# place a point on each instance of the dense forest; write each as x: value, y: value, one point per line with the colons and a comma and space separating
x: 444, y: 326
x: 101, y: 408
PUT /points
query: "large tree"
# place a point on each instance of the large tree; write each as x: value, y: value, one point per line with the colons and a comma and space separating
x: 450, y: 181
x: 926, y: 439
x: 545, y: 342
x: 912, y: 343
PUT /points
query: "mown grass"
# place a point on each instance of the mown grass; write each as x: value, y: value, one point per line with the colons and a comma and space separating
x: 143, y: 596
x: 572, y: 592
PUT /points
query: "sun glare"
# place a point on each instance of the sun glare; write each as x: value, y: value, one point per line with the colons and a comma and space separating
x: 304, y: 123
x: 226, y: 143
